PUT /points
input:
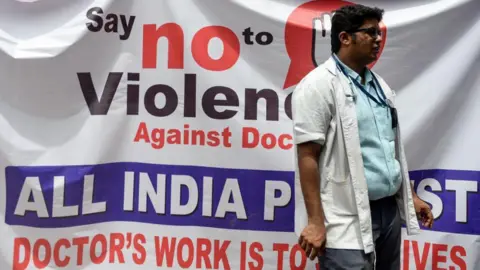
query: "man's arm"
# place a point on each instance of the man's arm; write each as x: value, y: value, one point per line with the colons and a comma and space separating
x: 312, y: 106
x: 423, y: 210
x: 313, y: 237
x: 308, y: 154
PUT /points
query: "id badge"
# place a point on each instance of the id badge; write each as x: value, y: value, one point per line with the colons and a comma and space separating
x: 393, y: 111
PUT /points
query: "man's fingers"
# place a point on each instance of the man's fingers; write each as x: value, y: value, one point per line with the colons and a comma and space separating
x: 426, y: 217
x: 323, y: 246
x: 430, y: 220
x: 308, y: 250
x: 427, y: 224
x: 303, y: 245
x: 300, y: 240
x: 313, y: 254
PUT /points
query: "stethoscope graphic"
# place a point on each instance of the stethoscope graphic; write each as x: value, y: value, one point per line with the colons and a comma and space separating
x: 323, y: 22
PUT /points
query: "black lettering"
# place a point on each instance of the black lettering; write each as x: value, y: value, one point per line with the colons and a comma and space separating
x: 97, y: 19
x: 127, y: 26
x: 209, y: 102
x: 112, y: 23
x: 213, y: 98
x: 171, y: 100
x: 247, y: 35
x: 99, y: 107
x: 133, y: 94
x: 288, y: 106
x: 190, y: 99
x: 268, y: 38
x: 251, y: 103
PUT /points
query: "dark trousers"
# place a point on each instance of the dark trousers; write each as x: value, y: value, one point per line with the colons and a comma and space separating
x: 386, y: 228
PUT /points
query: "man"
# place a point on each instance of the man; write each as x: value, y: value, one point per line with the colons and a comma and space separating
x: 352, y: 170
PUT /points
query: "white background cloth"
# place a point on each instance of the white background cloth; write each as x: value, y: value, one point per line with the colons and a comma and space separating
x: 50, y: 142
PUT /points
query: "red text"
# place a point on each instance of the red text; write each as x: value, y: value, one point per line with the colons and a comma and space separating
x: 176, y: 46
x: 187, y: 253
x: 64, y: 252
x: 441, y: 256
x: 252, y: 138
x: 159, y: 137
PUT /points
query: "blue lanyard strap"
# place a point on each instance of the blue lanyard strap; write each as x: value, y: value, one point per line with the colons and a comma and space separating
x: 381, y: 101
x: 393, y: 111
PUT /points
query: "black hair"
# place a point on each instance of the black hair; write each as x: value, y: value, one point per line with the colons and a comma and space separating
x: 349, y: 18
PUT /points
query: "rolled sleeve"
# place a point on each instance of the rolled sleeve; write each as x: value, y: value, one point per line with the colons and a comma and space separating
x: 311, y: 111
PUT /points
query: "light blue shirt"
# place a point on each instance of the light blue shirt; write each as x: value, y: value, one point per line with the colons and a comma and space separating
x: 377, y: 138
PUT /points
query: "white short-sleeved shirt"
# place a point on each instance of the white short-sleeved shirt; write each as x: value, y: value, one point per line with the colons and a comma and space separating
x: 323, y: 111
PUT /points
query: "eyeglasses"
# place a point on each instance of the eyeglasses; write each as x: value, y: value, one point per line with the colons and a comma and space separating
x: 371, y: 31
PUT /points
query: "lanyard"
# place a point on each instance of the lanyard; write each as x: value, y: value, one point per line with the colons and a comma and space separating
x: 380, y: 101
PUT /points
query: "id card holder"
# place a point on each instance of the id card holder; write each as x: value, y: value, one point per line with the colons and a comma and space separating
x: 393, y: 112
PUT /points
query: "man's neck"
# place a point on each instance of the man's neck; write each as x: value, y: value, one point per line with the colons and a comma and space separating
x: 354, y: 65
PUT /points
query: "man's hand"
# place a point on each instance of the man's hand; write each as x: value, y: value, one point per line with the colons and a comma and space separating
x: 313, y: 239
x: 424, y: 213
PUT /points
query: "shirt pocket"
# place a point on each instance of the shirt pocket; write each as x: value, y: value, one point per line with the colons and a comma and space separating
x: 343, y: 196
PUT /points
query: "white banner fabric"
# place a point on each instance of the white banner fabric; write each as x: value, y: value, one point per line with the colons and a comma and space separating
x: 157, y: 134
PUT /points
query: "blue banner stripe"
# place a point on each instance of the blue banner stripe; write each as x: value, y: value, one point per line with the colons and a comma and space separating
x: 247, y: 188
x: 454, y: 198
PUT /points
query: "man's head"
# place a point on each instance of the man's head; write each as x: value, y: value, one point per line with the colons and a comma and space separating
x: 356, y: 32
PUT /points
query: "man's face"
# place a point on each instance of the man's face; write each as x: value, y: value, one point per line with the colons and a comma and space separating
x: 365, y: 42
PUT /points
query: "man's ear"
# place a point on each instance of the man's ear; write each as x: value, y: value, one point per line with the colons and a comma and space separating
x: 345, y: 38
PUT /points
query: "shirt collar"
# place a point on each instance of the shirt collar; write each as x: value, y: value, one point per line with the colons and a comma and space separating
x: 353, y: 74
